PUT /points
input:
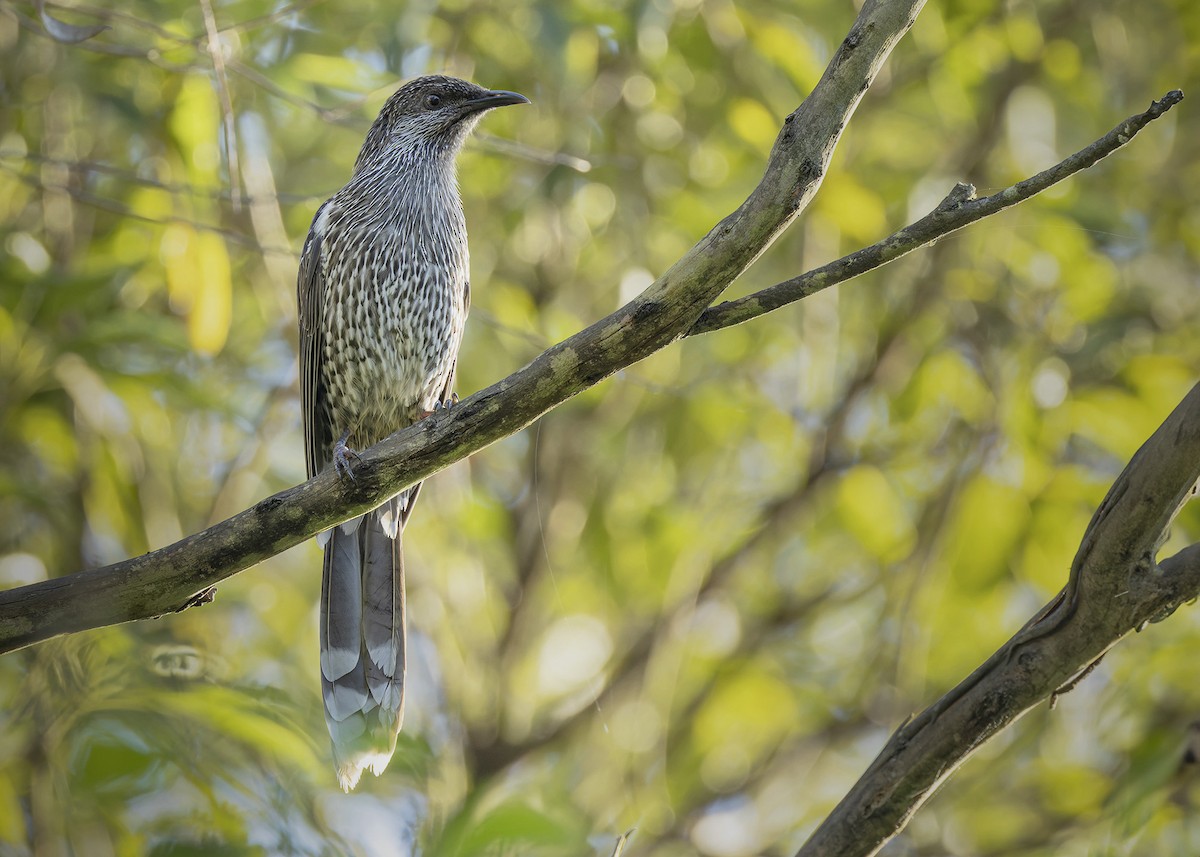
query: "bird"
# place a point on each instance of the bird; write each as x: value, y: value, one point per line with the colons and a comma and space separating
x: 383, y: 291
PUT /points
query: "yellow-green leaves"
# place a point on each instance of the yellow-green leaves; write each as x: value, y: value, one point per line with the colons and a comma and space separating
x: 195, y: 124
x: 872, y: 510
x: 200, y: 283
x: 196, y: 262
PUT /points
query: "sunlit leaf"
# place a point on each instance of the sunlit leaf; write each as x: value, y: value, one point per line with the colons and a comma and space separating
x: 872, y: 510
x: 12, y: 816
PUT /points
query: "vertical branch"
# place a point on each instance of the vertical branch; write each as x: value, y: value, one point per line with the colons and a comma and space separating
x: 228, y: 121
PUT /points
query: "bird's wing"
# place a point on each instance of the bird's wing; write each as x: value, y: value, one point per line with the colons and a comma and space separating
x: 446, y: 394
x: 310, y: 289
x: 448, y: 389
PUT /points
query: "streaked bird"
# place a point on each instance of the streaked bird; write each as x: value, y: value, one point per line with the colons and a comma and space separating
x: 383, y: 290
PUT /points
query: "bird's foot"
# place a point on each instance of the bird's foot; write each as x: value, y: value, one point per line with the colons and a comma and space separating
x: 342, y: 456
x: 450, y: 402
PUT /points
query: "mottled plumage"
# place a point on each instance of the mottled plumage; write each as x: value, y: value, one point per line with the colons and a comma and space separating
x: 383, y: 294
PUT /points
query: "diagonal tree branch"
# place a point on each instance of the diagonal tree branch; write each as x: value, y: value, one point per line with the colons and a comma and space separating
x: 181, y: 574
x: 960, y: 208
x: 1118, y: 587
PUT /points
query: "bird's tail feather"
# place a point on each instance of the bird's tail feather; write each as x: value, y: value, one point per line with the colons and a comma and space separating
x: 363, y: 639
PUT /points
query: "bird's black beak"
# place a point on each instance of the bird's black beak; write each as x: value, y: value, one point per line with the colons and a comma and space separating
x: 493, y: 98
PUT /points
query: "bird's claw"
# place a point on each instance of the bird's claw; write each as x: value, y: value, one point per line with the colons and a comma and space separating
x: 342, y: 455
x: 440, y: 405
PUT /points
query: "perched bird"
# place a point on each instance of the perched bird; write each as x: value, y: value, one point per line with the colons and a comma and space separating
x: 383, y: 294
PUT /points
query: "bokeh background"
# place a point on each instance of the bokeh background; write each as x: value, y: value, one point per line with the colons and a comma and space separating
x: 694, y: 600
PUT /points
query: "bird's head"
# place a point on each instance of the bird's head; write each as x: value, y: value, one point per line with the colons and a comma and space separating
x: 430, y: 114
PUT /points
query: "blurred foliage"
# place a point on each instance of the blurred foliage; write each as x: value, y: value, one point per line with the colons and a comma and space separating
x: 696, y: 599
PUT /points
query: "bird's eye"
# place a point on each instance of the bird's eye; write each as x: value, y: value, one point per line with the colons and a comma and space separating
x: 433, y: 102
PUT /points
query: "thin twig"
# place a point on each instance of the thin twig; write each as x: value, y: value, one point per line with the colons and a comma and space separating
x: 529, y: 153
x: 178, y: 188
x: 960, y: 208
x: 217, y: 54
x: 103, y: 204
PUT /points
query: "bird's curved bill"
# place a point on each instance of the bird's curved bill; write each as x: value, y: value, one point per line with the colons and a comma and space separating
x: 494, y: 98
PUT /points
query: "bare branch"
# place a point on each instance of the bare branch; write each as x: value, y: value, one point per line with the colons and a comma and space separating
x: 960, y: 208
x: 1119, y: 589
x: 216, y: 53
x: 170, y: 578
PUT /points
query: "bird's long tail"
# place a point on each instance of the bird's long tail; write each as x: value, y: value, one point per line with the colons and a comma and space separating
x: 363, y: 638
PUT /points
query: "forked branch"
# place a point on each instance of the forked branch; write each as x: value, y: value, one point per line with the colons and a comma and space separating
x: 960, y: 208
x: 171, y: 578
x: 1116, y: 586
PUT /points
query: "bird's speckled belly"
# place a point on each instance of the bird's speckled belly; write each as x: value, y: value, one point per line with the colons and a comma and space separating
x: 392, y: 334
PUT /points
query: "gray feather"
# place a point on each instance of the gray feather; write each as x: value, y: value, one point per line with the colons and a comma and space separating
x: 383, y: 598
x: 341, y: 605
x: 389, y: 516
x: 362, y: 640
x: 387, y: 692
x: 344, y: 697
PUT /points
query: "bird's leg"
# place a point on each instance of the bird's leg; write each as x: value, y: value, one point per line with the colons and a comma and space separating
x: 342, y: 455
